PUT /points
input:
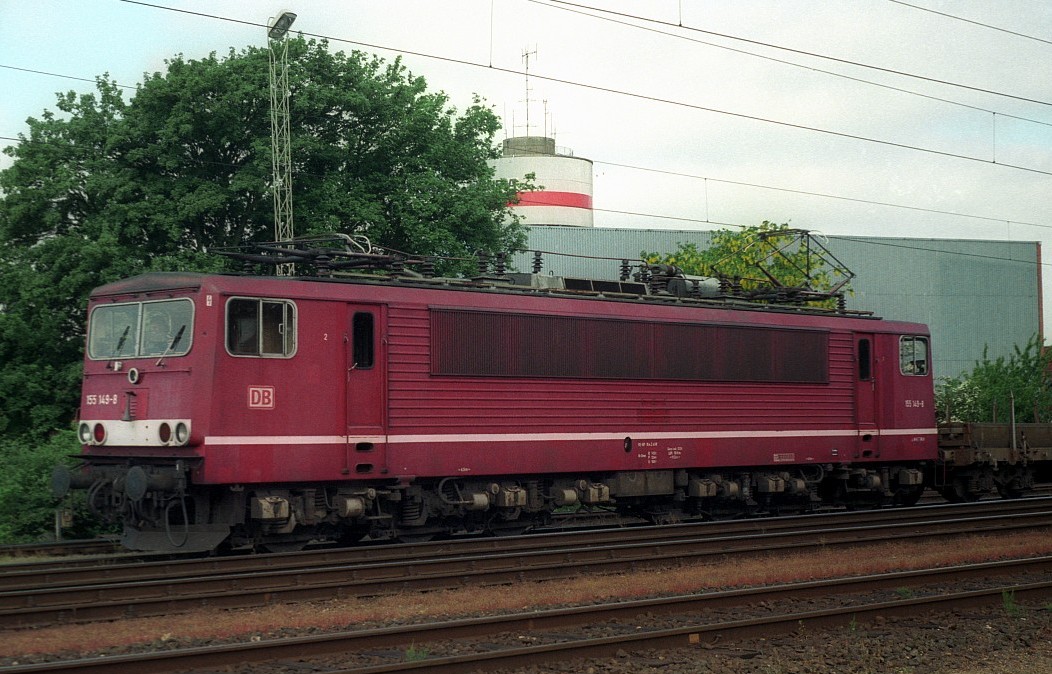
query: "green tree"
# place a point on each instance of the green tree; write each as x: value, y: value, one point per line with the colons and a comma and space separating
x: 988, y: 391
x: 107, y: 188
x: 758, y: 258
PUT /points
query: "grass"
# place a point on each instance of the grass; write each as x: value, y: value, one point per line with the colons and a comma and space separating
x: 1010, y: 606
x: 414, y: 654
x: 254, y: 624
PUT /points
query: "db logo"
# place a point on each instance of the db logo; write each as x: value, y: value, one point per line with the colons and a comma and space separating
x: 261, y: 397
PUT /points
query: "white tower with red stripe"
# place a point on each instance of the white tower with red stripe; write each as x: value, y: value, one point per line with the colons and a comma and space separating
x: 565, y: 197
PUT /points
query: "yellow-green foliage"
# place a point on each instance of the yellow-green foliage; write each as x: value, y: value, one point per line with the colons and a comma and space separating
x: 744, y: 254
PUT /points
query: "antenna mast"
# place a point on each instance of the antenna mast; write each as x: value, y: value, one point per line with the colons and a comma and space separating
x: 526, y: 57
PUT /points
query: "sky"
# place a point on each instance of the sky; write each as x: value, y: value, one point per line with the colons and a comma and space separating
x: 918, y: 118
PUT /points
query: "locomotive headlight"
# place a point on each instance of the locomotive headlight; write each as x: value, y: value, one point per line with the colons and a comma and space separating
x: 98, y: 434
x: 84, y: 433
x: 178, y: 437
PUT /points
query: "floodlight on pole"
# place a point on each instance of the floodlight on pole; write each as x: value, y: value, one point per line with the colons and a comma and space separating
x: 280, y: 138
x: 281, y: 25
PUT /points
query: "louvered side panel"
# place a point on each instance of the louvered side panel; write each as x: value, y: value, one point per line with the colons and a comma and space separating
x: 422, y: 402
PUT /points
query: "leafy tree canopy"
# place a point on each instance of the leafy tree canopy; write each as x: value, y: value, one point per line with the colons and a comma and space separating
x: 106, y: 188
x: 989, y: 390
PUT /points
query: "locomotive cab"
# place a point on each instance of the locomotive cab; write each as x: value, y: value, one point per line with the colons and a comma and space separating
x: 138, y: 424
x: 191, y: 386
x: 895, y: 414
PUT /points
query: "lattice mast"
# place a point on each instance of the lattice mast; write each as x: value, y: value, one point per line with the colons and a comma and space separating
x: 280, y: 134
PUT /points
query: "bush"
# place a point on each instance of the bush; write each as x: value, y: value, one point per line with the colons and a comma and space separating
x: 987, y: 392
x: 27, y: 509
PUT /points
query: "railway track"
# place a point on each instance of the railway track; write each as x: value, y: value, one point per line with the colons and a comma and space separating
x: 688, y: 621
x: 98, y: 553
x: 60, y: 573
x: 112, y: 592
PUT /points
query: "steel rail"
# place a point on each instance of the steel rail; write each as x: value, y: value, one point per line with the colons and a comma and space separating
x: 109, y: 601
x: 699, y: 635
x: 404, y: 636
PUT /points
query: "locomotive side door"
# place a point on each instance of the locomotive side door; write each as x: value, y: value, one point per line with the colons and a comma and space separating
x: 866, y: 380
x: 366, y: 372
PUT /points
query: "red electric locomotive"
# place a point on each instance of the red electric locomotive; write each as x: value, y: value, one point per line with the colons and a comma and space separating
x: 273, y: 411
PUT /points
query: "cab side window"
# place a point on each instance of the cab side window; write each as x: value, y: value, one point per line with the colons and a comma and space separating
x: 913, y: 355
x: 364, y: 349
x: 260, y: 327
x: 865, y: 360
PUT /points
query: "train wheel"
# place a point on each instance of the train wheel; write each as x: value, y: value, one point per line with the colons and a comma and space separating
x: 908, y: 496
x: 1013, y: 482
x: 1010, y: 489
x: 958, y: 492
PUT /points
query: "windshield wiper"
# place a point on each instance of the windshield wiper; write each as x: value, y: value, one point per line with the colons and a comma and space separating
x: 120, y: 343
x: 175, y: 340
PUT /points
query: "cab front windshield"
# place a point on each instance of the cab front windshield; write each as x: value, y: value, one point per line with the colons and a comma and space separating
x: 140, y: 329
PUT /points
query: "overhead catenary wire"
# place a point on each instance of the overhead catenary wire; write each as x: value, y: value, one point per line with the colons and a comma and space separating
x: 971, y: 21
x: 621, y: 92
x: 766, y: 57
x: 740, y: 183
x: 669, y: 101
x: 598, y: 161
x: 803, y: 52
x: 823, y: 195
x: 67, y: 77
x: 717, y: 223
x: 217, y: 17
